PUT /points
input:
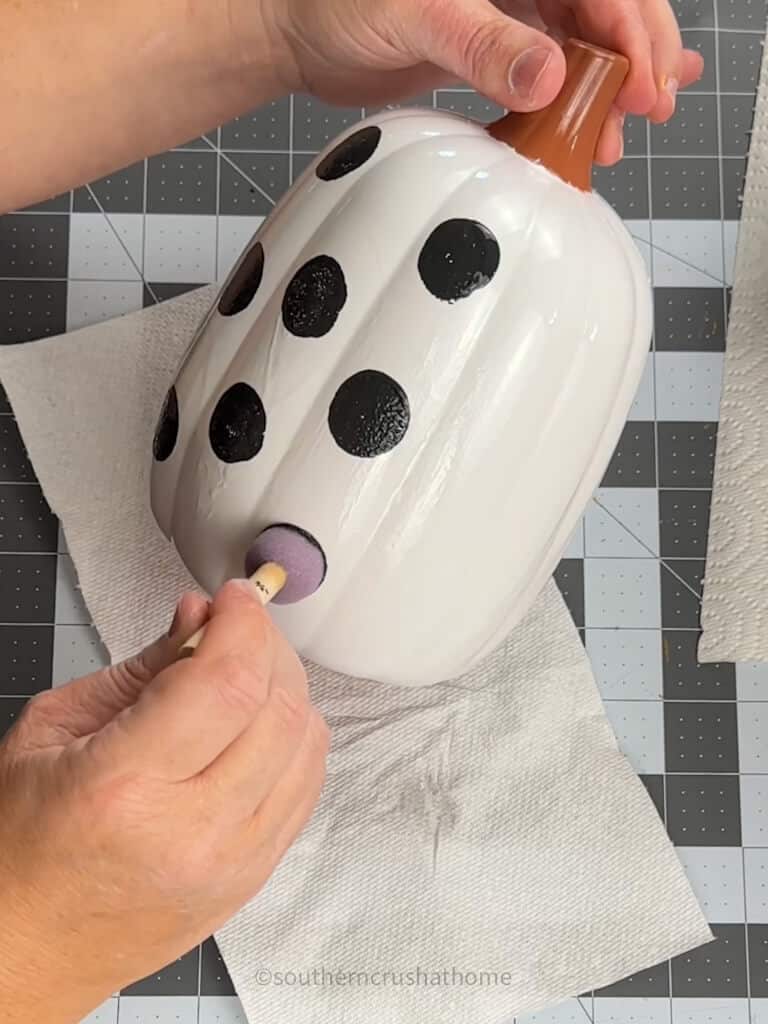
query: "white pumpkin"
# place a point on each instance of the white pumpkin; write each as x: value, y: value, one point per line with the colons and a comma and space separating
x: 423, y: 360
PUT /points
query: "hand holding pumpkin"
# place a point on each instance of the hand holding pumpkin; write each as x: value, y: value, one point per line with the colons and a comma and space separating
x: 371, y: 51
x: 96, y: 106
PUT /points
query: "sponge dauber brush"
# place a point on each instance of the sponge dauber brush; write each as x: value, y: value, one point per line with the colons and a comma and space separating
x: 284, y: 563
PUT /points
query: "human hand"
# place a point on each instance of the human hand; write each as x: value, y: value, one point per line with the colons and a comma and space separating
x: 144, y: 804
x: 371, y: 51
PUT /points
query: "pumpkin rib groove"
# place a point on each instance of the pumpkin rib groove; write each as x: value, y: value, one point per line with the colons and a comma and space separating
x: 351, y: 185
x: 502, y: 629
x: 185, y: 437
x: 538, y: 580
x: 594, y: 471
x: 476, y: 355
x: 401, y: 267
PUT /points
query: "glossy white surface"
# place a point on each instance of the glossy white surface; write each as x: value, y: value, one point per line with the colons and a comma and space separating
x: 436, y: 549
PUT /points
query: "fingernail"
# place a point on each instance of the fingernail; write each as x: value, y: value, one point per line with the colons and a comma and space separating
x: 291, y: 700
x: 245, y: 585
x: 671, y: 85
x: 620, y: 124
x: 527, y: 70
x: 176, y: 620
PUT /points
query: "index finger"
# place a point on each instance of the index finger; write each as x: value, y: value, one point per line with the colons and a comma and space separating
x: 618, y: 25
x: 195, y: 708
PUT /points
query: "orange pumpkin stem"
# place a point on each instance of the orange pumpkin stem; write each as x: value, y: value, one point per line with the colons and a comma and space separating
x: 564, y: 136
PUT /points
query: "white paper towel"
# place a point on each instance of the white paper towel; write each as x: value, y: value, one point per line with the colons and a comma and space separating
x: 735, y: 608
x: 481, y: 848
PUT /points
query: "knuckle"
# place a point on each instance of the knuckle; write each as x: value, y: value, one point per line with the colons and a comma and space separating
x: 38, y: 707
x: 40, y: 711
x: 319, y: 733
x: 240, y: 684
x: 292, y: 710
x: 480, y: 49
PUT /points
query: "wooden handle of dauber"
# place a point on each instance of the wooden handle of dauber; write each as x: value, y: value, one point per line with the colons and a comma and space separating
x: 267, y: 582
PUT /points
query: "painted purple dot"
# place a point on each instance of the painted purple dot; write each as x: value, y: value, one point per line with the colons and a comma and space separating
x: 297, y: 552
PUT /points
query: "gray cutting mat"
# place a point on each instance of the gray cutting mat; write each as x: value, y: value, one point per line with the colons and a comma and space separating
x: 632, y: 576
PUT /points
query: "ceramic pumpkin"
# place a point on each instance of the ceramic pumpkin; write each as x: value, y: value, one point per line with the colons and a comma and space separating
x: 422, y: 363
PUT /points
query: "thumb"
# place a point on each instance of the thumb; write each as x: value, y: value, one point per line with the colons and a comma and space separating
x: 505, y: 60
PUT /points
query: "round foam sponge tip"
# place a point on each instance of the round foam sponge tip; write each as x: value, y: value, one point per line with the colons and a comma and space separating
x: 297, y: 552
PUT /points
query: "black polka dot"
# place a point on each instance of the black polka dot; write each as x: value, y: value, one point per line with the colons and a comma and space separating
x: 237, y: 426
x: 369, y: 414
x: 244, y: 283
x: 459, y: 257
x: 167, y: 430
x: 314, y: 298
x: 350, y: 154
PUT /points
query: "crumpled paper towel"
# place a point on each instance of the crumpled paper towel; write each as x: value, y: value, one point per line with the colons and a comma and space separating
x: 734, y: 614
x: 481, y: 848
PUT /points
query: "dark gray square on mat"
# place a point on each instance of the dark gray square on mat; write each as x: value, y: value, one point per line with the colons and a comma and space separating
x: 177, y: 979
x: 740, y: 56
x: 26, y: 657
x: 214, y: 977
x: 703, y: 810
x: 26, y: 520
x: 625, y: 187
x: 681, y: 583
x: 634, y: 462
x: 32, y: 310
x: 268, y: 127
x: 685, y: 678
x: 121, y: 192
x: 703, y: 41
x: 635, y: 136
x: 201, y: 141
x: 469, y: 104
x: 700, y: 736
x: 56, y: 204
x: 689, y: 319
x: 653, y: 981
x: 27, y: 588
x: 264, y: 179
x: 716, y: 970
x: 736, y: 124
x: 10, y: 709
x: 655, y: 786
x: 757, y: 937
x: 165, y: 291
x: 749, y: 14
x: 683, y: 189
x: 691, y: 132
x: 182, y: 183
x: 315, y: 123
x: 34, y: 245
x: 684, y: 523
x: 694, y: 13
x: 5, y: 405
x: 734, y: 172
x: 686, y: 454
x: 301, y: 162
x: 15, y: 466
x: 569, y: 577
x: 426, y: 100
